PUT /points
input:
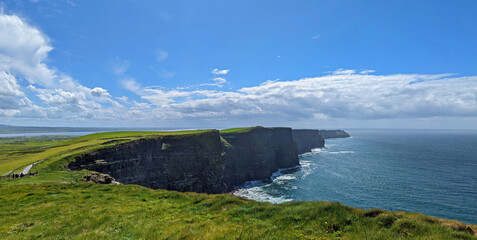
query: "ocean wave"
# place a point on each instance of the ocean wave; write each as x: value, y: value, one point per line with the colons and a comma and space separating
x: 259, y: 194
x: 341, y: 152
x: 307, y: 167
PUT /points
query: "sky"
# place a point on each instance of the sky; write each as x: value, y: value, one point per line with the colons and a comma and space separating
x: 219, y: 64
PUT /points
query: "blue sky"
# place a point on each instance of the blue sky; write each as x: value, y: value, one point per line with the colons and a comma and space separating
x: 318, y: 64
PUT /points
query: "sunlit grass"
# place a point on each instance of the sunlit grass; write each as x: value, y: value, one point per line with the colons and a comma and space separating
x: 91, y: 211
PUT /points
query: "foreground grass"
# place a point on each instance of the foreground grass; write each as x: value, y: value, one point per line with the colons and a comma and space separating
x: 91, y: 211
x: 58, y: 204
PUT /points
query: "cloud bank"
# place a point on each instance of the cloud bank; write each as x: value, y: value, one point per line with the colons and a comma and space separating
x: 33, y: 91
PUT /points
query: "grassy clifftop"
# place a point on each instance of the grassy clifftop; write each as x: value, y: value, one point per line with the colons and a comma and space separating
x: 58, y: 204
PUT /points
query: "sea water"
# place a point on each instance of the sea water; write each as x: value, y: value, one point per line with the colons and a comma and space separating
x: 433, y: 172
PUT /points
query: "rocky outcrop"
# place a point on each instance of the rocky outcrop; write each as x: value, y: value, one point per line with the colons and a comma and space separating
x: 187, y: 163
x: 307, y: 139
x: 99, y: 178
x: 326, y: 134
x: 257, y: 153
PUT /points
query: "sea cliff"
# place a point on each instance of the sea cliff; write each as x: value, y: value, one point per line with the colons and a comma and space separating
x: 186, y: 163
x: 206, y: 162
x: 256, y: 153
x: 307, y: 139
x: 326, y: 134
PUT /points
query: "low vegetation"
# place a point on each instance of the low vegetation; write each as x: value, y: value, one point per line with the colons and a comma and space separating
x: 237, y: 130
x: 59, y: 204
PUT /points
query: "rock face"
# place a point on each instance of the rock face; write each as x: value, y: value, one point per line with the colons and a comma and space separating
x: 99, y: 178
x: 307, y: 139
x: 204, y: 162
x: 326, y: 134
x: 256, y: 154
x: 187, y: 163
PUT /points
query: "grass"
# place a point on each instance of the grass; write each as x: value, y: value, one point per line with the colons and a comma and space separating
x: 21, y: 151
x: 237, y: 130
x: 58, y: 204
x: 90, y: 211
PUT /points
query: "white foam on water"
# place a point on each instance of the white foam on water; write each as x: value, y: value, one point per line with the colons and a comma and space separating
x: 346, y: 151
x: 259, y: 194
x: 307, y: 168
x: 341, y: 152
x: 317, y: 150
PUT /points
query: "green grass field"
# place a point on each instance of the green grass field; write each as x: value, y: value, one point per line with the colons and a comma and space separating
x: 58, y: 204
x: 236, y: 130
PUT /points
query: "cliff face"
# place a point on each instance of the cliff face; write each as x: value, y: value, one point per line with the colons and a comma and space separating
x: 187, y: 163
x: 207, y: 162
x: 307, y: 139
x: 257, y: 153
x: 333, y: 134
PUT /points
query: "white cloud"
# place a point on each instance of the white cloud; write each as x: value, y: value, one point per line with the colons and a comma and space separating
x: 343, y: 96
x: 220, y: 72
x: 342, y: 71
x: 315, y: 37
x: 123, y: 98
x: 9, y: 85
x: 366, y: 71
x: 23, y: 50
x: 132, y: 85
x: 219, y: 80
x: 161, y: 55
x: 99, y: 92
x: 23, y: 56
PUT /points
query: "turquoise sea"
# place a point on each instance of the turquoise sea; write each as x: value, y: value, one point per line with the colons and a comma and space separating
x: 433, y: 172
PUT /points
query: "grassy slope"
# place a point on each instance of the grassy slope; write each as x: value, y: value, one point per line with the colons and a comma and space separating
x: 237, y: 130
x: 56, y: 204
x: 17, y: 153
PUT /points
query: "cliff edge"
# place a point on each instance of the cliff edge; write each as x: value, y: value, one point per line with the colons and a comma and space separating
x: 326, y: 134
x: 307, y: 139
x: 186, y: 163
x: 256, y: 153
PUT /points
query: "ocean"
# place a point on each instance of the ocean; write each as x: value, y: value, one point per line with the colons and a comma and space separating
x: 433, y: 172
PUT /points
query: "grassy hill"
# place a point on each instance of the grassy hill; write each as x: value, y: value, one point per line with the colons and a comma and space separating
x: 58, y: 204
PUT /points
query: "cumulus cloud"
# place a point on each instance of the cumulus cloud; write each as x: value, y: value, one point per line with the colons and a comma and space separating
x: 220, y: 72
x: 23, y: 50
x: 9, y: 85
x: 23, y: 58
x: 99, y: 92
x: 342, y: 94
x: 338, y: 96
